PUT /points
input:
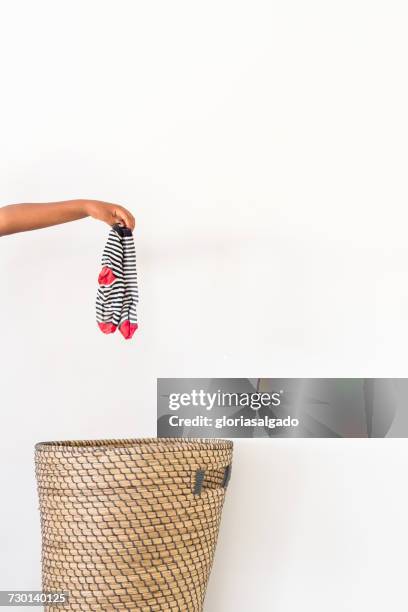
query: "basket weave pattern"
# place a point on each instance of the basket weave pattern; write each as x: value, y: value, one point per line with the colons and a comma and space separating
x: 131, y: 524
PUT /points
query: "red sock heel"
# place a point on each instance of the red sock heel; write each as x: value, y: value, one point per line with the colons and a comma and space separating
x: 106, y: 276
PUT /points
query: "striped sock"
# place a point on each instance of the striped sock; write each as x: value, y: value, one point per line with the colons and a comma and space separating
x: 111, y: 290
x: 128, y: 317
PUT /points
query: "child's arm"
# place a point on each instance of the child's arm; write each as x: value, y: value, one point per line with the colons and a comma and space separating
x: 25, y: 217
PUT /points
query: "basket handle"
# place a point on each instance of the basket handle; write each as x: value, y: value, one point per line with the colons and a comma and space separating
x: 200, y: 476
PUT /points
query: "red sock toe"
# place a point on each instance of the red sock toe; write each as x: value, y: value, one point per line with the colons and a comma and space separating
x: 107, y: 328
x: 106, y: 276
x: 127, y: 329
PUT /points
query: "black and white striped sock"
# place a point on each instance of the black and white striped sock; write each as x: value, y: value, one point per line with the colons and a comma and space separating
x: 117, y: 295
x: 111, y: 290
x: 128, y: 317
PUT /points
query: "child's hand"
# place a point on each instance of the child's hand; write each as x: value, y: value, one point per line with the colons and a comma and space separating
x: 25, y: 217
x: 110, y: 213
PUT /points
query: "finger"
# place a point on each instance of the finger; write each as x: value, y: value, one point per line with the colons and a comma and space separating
x: 132, y: 222
x: 126, y: 217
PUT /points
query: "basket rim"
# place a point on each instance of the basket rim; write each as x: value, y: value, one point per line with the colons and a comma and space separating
x: 139, y: 445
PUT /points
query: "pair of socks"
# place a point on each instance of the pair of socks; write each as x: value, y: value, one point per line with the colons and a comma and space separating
x: 118, y: 295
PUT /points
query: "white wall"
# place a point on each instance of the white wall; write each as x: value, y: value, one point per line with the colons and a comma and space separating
x: 262, y: 149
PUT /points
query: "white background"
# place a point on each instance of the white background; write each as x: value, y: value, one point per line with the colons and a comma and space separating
x: 262, y: 147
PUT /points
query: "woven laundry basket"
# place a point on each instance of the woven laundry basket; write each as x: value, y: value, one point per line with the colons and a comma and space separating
x: 131, y: 524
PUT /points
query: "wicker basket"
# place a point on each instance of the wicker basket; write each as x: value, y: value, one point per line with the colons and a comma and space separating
x: 131, y: 524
